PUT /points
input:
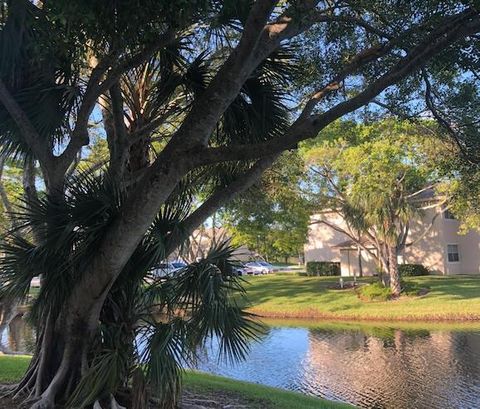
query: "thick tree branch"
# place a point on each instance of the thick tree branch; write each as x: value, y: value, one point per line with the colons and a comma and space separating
x: 219, y: 198
x: 26, y: 128
x: 96, y: 87
x: 304, y: 128
x: 222, y: 90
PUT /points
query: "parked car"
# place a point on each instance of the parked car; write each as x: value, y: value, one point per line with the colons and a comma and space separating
x: 166, y: 269
x: 259, y: 267
x: 242, y: 270
x: 35, y: 282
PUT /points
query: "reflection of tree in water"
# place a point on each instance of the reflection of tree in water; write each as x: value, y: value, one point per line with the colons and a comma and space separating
x: 467, y: 350
x: 391, y: 368
x: 21, y: 336
x: 210, y: 351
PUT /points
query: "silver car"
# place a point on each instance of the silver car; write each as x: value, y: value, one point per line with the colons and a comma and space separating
x: 259, y: 267
x: 168, y: 268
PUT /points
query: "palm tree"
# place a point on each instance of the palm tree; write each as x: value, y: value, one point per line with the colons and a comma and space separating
x: 61, y: 229
x: 150, y: 328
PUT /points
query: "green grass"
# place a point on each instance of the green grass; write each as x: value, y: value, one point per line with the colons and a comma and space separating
x: 12, y: 367
x: 257, y: 396
x: 294, y: 296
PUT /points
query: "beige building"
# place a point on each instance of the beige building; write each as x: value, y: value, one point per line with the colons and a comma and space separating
x: 434, y: 237
x: 202, y: 240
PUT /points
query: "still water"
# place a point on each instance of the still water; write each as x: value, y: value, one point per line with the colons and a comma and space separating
x: 370, y: 367
x: 374, y: 366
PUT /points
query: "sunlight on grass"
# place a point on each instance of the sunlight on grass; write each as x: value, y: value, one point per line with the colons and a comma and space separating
x: 12, y: 367
x: 258, y: 397
x: 449, y: 298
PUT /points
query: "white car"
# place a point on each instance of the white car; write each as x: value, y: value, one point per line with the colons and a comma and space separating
x: 242, y: 270
x: 35, y: 282
x: 259, y: 267
x: 167, y: 268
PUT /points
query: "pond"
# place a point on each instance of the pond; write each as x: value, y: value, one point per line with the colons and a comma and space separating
x: 370, y: 366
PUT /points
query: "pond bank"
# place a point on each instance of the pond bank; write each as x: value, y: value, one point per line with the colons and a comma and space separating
x: 202, y: 391
x: 449, y: 299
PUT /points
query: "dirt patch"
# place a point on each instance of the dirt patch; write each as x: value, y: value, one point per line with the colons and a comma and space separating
x: 192, y: 400
x: 6, y: 403
x: 314, y: 313
x: 218, y: 400
x: 349, y: 285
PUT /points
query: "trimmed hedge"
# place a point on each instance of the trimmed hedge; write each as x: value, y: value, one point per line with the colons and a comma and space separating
x: 412, y: 270
x: 323, y: 268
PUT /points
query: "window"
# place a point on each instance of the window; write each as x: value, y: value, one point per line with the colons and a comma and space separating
x: 447, y: 214
x: 453, y: 255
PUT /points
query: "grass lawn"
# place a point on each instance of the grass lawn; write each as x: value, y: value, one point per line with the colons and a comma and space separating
x: 209, y: 386
x: 294, y: 296
x: 12, y: 367
x: 257, y: 396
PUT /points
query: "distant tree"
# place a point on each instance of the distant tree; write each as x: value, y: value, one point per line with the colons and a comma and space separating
x: 272, y: 216
x: 373, y: 176
x: 457, y: 109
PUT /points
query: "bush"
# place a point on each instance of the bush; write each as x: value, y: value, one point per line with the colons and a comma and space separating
x: 412, y: 270
x: 323, y: 268
x: 375, y: 292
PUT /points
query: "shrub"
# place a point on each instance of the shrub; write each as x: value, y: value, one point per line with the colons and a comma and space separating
x: 323, y: 268
x: 412, y: 270
x: 375, y: 292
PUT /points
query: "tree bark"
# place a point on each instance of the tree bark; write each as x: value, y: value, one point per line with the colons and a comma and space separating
x: 360, y: 266
x: 393, y: 271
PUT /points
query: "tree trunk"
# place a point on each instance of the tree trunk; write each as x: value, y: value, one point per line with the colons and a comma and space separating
x: 360, y: 266
x: 61, y: 353
x: 393, y: 271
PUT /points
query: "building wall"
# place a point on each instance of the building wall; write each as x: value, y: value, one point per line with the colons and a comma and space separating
x: 429, y: 249
x: 350, y: 266
x: 468, y: 246
x: 322, y: 239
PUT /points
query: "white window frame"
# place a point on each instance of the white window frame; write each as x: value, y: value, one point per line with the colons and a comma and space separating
x: 458, y: 253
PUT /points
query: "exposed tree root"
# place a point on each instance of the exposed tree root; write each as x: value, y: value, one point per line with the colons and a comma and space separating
x: 6, y: 390
x: 113, y: 404
x: 44, y: 403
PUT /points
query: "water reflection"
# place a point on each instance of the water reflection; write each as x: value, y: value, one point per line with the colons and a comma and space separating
x: 371, y: 367
x: 374, y: 368
x: 19, y: 337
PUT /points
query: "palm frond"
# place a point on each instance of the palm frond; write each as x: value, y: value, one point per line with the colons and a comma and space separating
x: 208, y: 290
x: 101, y: 379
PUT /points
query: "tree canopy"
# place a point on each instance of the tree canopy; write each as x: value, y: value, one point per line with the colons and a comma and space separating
x: 182, y: 105
x: 375, y: 177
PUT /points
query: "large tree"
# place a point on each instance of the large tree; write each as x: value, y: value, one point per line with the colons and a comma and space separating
x: 378, y: 178
x: 184, y: 91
